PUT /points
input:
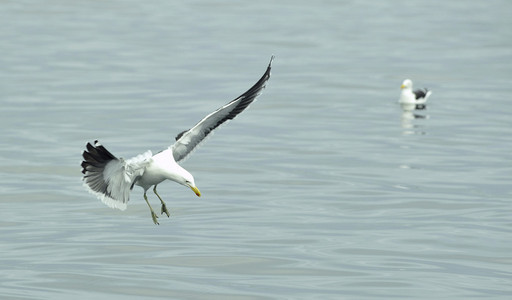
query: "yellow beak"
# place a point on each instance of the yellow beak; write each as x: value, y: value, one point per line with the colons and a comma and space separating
x: 196, y: 190
x: 402, y: 86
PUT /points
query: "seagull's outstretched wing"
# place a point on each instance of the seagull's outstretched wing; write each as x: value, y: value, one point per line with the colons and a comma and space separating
x: 187, y: 140
x: 111, y: 178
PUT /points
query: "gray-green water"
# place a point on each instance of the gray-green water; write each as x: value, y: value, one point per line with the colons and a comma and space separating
x: 323, y: 189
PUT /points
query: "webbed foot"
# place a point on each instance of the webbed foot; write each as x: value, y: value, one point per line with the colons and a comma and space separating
x: 154, y: 217
x: 164, y: 210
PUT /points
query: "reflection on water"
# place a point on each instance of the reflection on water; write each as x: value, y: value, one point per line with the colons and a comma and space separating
x: 410, y: 113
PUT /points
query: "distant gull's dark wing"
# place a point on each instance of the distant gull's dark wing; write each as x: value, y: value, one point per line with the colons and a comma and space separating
x: 187, y: 140
x: 420, y: 93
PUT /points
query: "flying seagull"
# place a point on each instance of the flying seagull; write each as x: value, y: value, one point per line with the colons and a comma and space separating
x: 410, y: 97
x: 111, y: 179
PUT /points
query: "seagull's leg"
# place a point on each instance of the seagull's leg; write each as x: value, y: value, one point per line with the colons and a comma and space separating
x: 153, y: 215
x: 164, y: 207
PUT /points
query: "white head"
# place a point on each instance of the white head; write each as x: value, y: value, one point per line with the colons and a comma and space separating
x: 186, y: 179
x: 183, y: 177
x: 165, y: 166
x: 407, y: 84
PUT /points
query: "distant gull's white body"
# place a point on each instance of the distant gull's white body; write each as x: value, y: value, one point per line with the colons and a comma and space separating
x: 413, y: 99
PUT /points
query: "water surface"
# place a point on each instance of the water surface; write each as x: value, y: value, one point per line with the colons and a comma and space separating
x: 323, y: 189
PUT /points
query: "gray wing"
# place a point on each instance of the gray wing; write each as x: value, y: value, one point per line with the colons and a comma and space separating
x: 110, y: 178
x: 187, y: 140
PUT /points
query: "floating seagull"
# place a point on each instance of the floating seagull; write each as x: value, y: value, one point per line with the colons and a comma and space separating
x: 409, y: 97
x: 111, y: 179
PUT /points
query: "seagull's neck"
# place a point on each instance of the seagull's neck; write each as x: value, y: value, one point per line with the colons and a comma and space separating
x: 164, y: 161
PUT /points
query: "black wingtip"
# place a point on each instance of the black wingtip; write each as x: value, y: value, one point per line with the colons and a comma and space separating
x: 95, y: 155
x: 270, y: 66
